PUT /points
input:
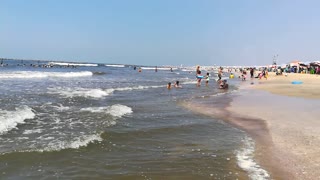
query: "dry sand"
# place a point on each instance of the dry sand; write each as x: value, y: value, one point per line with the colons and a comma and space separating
x: 291, y: 116
x: 282, y: 85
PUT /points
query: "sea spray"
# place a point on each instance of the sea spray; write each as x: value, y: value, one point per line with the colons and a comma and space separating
x: 10, y: 119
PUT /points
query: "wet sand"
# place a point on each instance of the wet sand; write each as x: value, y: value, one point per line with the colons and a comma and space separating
x: 291, y: 114
x: 257, y: 128
x: 283, y: 119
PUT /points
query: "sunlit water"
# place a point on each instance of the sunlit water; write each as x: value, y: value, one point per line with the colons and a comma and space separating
x: 112, y: 122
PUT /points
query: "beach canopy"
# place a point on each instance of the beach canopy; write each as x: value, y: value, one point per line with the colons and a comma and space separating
x: 304, y: 64
x: 316, y: 63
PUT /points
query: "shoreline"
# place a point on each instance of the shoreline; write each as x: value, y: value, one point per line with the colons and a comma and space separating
x: 282, y: 120
x: 290, y: 112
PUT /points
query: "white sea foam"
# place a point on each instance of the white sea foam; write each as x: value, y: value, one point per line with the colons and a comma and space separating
x: 135, y: 88
x: 158, y: 68
x: 61, y: 107
x: 72, y: 64
x: 245, y: 157
x: 10, y: 119
x: 119, y: 110
x: 115, y: 65
x: 57, y: 145
x: 93, y: 93
x: 32, y: 131
x: 116, y: 110
x: 81, y: 92
x: 39, y: 74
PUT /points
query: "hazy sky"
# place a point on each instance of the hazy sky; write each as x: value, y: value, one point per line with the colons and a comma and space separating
x: 161, y: 32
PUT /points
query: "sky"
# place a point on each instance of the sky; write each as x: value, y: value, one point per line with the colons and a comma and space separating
x: 161, y: 32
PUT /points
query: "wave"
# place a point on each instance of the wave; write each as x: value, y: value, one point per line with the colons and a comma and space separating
x: 115, y: 65
x: 75, y: 143
x: 81, y: 92
x: 99, y: 73
x: 93, y: 93
x: 116, y: 110
x: 38, y: 74
x: 10, y: 119
x: 72, y: 64
x: 159, y: 68
x: 246, y: 161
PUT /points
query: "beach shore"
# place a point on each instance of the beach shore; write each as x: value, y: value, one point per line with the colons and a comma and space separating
x: 282, y: 85
x: 281, y: 117
x: 290, y: 113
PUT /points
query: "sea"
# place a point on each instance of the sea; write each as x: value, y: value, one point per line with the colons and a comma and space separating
x: 62, y: 120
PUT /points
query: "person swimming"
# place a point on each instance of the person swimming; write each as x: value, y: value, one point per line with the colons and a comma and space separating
x: 177, y: 84
x: 169, y: 85
x: 223, y: 85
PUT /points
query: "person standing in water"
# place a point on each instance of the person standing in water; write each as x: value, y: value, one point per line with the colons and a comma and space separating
x: 207, y: 79
x: 219, y: 74
x: 199, y: 77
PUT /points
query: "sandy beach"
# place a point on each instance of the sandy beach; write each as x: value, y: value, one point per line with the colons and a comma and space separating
x: 281, y: 117
x: 282, y: 85
x: 289, y: 112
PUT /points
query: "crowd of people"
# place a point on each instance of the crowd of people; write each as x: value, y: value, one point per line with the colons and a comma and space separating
x: 222, y: 83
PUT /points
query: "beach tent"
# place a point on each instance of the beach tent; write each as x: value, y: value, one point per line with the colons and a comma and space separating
x: 316, y: 63
x: 305, y: 64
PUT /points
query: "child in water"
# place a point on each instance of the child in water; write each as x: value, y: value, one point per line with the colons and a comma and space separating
x: 207, y: 78
x: 177, y: 84
x: 169, y: 85
x: 224, y: 84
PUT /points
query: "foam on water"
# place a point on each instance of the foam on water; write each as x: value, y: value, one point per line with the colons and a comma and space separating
x: 72, y: 64
x: 135, y: 88
x: 39, y: 74
x: 33, y: 131
x: 115, y: 65
x: 10, y: 119
x: 246, y: 161
x: 158, y: 68
x: 80, y: 92
x: 93, y: 93
x: 116, y: 110
x: 75, y: 143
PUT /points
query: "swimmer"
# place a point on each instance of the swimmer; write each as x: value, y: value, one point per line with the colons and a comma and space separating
x: 169, y: 85
x: 177, y: 84
x: 224, y: 85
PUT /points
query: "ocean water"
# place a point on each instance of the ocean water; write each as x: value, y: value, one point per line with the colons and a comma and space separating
x: 96, y: 121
